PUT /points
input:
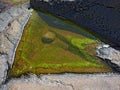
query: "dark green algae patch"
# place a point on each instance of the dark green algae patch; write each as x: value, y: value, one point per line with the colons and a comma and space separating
x: 72, y: 49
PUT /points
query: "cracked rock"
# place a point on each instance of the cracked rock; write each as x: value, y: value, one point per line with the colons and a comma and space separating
x: 12, y: 23
x: 6, y: 47
x: 109, y: 53
x: 16, y: 29
x: 3, y: 67
x: 5, y: 18
x: 14, y: 12
x: 65, y: 82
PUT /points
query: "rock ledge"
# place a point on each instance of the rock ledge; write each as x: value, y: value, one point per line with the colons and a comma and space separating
x: 12, y: 23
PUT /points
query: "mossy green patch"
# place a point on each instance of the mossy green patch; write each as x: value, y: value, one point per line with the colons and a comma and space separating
x: 68, y: 52
x: 15, y: 0
x: 80, y: 43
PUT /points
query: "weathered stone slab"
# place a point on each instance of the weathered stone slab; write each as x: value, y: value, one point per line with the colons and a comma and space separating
x: 16, y: 29
x: 102, y: 17
x: 23, y: 18
x: 14, y: 12
x: 5, y: 18
x: 65, y: 82
x: 6, y: 47
x: 3, y: 67
x: 109, y: 53
x: 11, y: 28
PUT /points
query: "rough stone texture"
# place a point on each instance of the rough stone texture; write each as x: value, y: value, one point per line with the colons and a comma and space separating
x: 5, y: 18
x: 12, y: 23
x: 65, y: 82
x: 3, y: 67
x: 109, y: 53
x: 6, y: 47
x: 7, y: 4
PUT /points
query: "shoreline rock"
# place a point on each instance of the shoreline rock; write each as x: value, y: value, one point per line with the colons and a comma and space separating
x: 109, y: 54
x: 65, y: 82
x: 12, y: 23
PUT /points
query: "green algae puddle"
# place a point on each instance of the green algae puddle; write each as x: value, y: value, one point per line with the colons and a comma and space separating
x: 72, y: 50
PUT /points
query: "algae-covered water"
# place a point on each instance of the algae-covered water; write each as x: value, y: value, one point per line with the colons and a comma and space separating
x: 71, y: 48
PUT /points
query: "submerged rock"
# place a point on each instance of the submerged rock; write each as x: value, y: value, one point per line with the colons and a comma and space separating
x: 101, y: 17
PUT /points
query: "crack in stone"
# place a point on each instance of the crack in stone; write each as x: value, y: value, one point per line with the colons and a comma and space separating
x: 7, y: 36
x: 56, y: 82
x: 5, y: 39
x: 67, y: 84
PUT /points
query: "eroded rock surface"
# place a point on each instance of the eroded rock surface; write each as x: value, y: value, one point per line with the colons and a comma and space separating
x: 65, y: 82
x: 3, y: 67
x: 12, y: 23
x: 108, y: 53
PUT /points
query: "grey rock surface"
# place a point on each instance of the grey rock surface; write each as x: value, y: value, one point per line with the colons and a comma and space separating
x: 12, y: 23
x: 3, y: 67
x: 65, y: 82
x: 6, y: 47
x: 109, y: 53
x: 5, y: 18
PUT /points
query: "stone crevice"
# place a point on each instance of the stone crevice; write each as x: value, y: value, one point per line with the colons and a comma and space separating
x: 110, y: 55
x: 57, y: 83
x: 10, y: 34
x: 65, y: 82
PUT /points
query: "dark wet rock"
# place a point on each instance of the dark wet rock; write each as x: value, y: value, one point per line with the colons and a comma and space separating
x: 102, y: 17
x: 2, y: 5
x: 6, y: 47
